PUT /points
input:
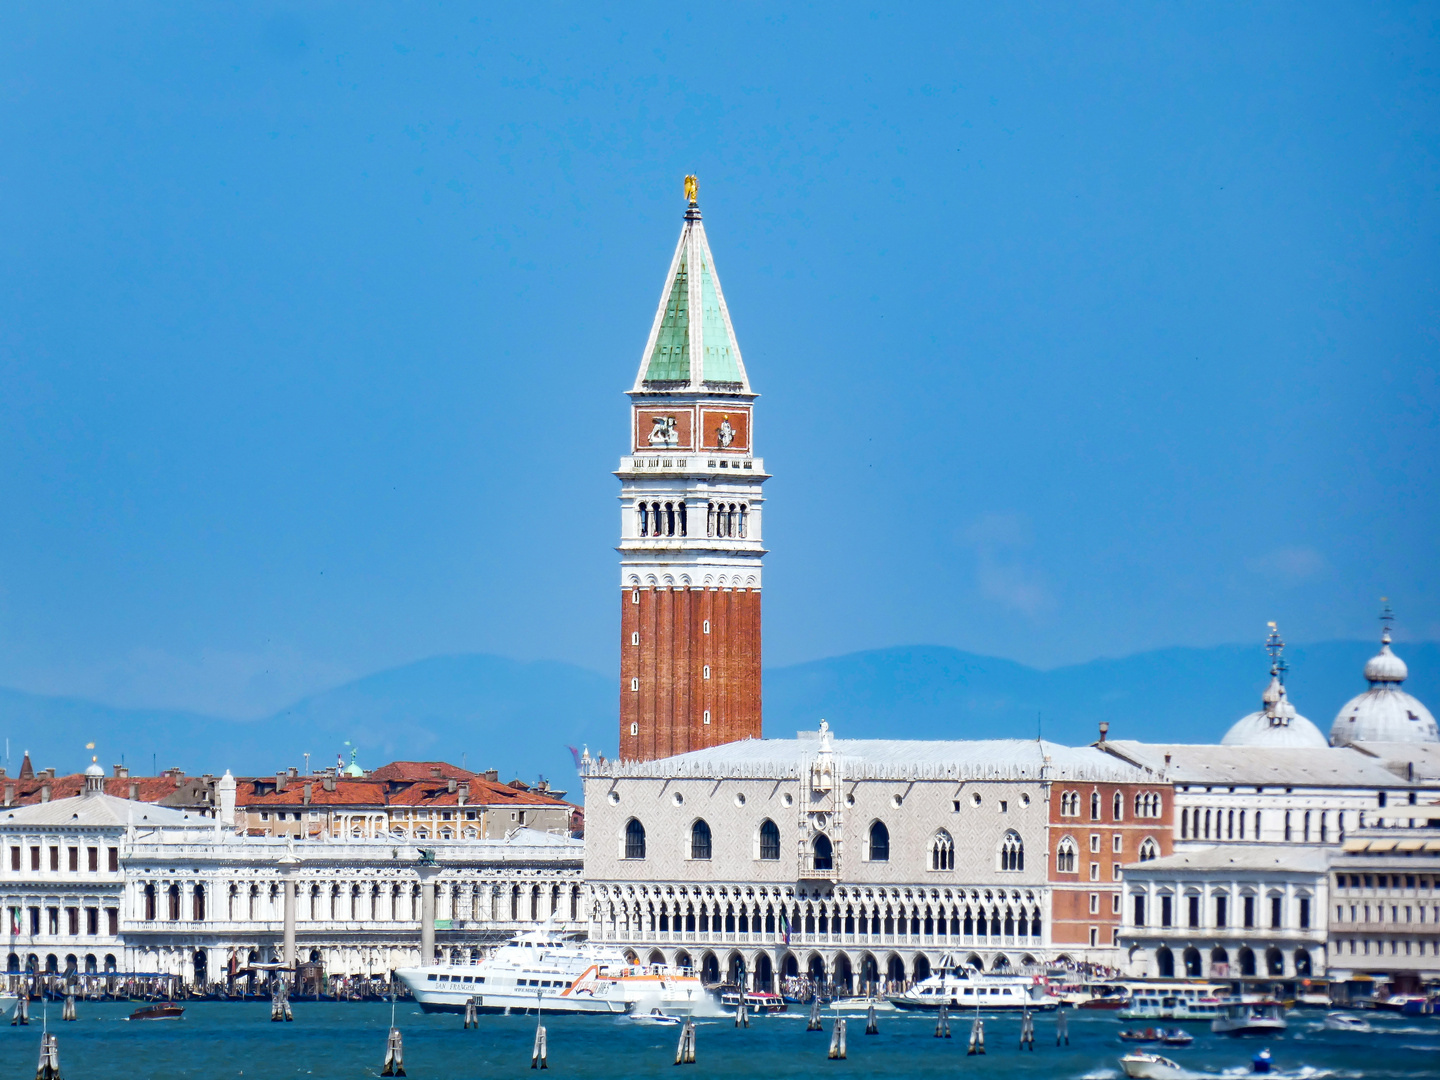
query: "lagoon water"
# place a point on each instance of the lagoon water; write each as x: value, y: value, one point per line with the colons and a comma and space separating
x: 226, y: 1041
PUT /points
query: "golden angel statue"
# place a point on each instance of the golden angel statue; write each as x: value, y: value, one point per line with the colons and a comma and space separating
x: 692, y: 189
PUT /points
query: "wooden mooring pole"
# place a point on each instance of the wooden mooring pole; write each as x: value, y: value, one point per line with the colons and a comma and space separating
x: 871, y: 1027
x: 815, y: 1024
x: 685, y: 1051
x: 49, y: 1067
x: 977, y: 1038
x: 67, y: 1011
x: 472, y: 1016
x: 837, y: 1041
x: 1027, y: 1031
x: 394, y: 1055
x: 1062, y: 1028
x: 942, y: 1024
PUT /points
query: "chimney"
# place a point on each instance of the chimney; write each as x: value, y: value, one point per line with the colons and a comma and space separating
x: 134, y: 791
x: 1104, y: 729
x: 328, y: 782
x: 1167, y: 759
x: 452, y: 785
x: 493, y: 775
x: 292, y: 772
x: 120, y: 771
x: 309, y: 787
x: 9, y: 794
x: 435, y: 771
x: 225, y: 789
x: 464, y: 792
x: 2, y: 771
x: 280, y: 779
x: 45, y: 792
x: 50, y: 772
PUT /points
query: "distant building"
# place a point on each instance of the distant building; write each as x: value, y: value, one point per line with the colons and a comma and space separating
x: 854, y: 861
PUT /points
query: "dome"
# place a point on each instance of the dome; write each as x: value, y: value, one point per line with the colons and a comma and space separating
x: 1277, y: 724
x: 94, y: 769
x: 1384, y: 713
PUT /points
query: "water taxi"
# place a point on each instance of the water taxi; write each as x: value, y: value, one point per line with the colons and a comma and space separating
x: 1249, y: 1017
x: 1151, y: 1067
x: 961, y: 987
x: 541, y: 969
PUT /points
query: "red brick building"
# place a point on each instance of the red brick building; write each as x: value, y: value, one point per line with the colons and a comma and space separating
x: 690, y: 549
x: 1095, y: 829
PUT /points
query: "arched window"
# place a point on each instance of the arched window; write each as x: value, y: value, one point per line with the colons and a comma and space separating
x: 634, y: 839
x: 769, y: 840
x: 1065, y: 856
x: 824, y: 853
x: 197, y: 904
x: 1149, y: 850
x: 942, y: 852
x: 1117, y: 807
x: 1012, y: 852
x: 1094, y: 806
x: 174, y: 903
x: 879, y: 842
x: 1070, y: 804
x: 700, y: 840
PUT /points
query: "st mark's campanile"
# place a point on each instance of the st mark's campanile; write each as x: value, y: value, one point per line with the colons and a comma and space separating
x: 690, y: 538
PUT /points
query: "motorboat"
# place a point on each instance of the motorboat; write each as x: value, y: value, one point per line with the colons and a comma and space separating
x: 8, y: 1001
x: 655, y: 1017
x: 960, y: 987
x: 1176, y: 1037
x: 1103, y: 996
x: 545, y: 970
x: 1260, y: 1016
x: 861, y: 1005
x: 1173, y: 1000
x: 165, y: 1010
x: 1147, y: 1066
x: 1261, y: 1062
x: 1407, y: 1004
x: 756, y: 1001
x: 1149, y: 1035
x: 1339, y: 1021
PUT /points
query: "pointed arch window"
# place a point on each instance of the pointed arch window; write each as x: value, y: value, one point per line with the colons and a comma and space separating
x: 634, y: 839
x: 1065, y: 855
x: 1012, y: 851
x: 942, y: 851
x: 700, y: 840
x: 769, y: 841
x: 823, y: 853
x: 1095, y: 806
x: 1117, y: 807
x: 879, y: 842
x: 1149, y: 849
x: 1070, y: 804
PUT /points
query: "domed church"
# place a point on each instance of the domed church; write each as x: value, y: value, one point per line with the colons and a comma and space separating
x: 1277, y: 724
x: 1384, y: 713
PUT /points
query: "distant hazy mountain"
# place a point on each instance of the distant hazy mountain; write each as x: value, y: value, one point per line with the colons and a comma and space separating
x: 520, y: 717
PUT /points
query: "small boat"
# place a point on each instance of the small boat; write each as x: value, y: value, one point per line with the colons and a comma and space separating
x: 756, y: 1001
x: 165, y: 1010
x: 1261, y: 1062
x: 1256, y: 1017
x: 1145, y: 1066
x: 1339, y: 1021
x: 1176, y: 1037
x: 655, y: 1016
x: 1149, y: 1035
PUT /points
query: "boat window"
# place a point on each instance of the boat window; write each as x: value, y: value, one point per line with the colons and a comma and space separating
x: 969, y: 991
x: 431, y: 978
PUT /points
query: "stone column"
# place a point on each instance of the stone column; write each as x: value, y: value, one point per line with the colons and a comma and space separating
x: 428, y: 873
x: 288, y: 864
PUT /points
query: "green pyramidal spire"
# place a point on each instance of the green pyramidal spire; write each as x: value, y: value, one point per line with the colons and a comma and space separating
x: 692, y: 344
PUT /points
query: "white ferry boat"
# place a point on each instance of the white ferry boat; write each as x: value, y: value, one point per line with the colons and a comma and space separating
x: 1173, y: 1001
x: 542, y: 970
x: 961, y: 988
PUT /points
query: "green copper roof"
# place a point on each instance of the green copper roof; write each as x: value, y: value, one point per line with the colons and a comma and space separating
x: 719, y: 363
x: 670, y: 359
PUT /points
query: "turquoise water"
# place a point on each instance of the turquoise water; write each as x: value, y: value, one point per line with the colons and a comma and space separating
x: 222, y: 1041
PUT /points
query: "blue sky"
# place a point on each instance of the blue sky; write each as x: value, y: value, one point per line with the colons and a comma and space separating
x: 1080, y: 330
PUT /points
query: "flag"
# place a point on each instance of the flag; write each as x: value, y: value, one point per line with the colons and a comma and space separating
x: 574, y: 754
x: 14, y: 921
x: 785, y: 926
